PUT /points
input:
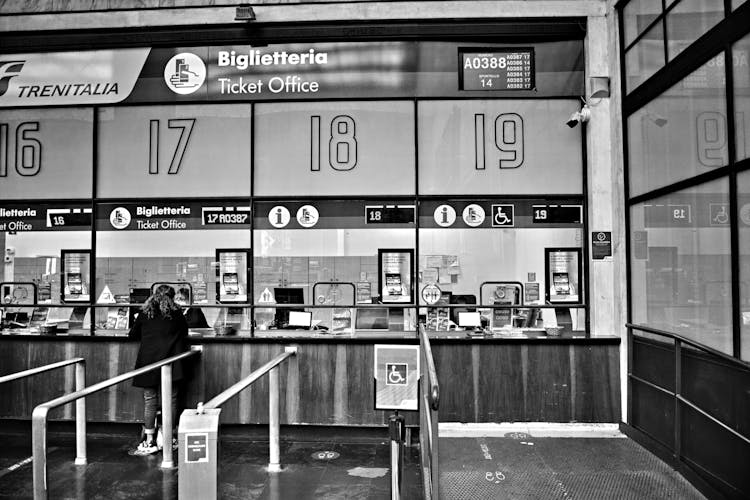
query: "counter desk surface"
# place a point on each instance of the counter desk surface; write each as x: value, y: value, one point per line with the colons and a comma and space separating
x: 200, y: 335
x: 330, y: 380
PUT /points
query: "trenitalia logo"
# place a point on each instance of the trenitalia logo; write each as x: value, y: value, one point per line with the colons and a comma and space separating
x: 9, y: 69
x: 69, y: 78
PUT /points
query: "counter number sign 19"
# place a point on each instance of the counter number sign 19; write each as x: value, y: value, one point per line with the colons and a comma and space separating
x: 496, y: 69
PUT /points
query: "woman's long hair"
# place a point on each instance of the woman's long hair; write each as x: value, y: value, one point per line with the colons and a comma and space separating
x: 161, y: 303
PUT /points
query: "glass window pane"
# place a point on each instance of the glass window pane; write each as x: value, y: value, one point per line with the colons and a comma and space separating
x: 743, y: 204
x: 637, y: 15
x: 46, y: 153
x: 680, y: 134
x: 499, y: 146
x: 737, y: 3
x: 501, y: 258
x: 173, y: 151
x: 333, y: 262
x: 680, y: 264
x: 689, y: 20
x: 139, y: 245
x: 47, y: 262
x: 644, y: 58
x: 334, y: 148
x: 741, y: 67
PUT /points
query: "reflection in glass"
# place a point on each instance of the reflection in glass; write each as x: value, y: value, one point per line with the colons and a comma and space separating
x: 689, y: 20
x: 637, y: 15
x: 682, y: 133
x: 743, y: 211
x: 741, y: 66
x: 645, y: 57
x: 680, y: 264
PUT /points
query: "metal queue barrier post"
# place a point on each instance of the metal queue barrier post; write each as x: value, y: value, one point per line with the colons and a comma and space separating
x: 199, y: 431
x: 397, y: 432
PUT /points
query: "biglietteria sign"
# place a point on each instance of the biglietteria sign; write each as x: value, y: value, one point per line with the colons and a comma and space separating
x: 60, y: 78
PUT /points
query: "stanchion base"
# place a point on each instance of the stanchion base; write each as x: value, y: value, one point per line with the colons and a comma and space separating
x: 274, y: 467
x: 80, y: 461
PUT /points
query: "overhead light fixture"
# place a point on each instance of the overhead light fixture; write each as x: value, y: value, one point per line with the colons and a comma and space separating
x: 244, y: 12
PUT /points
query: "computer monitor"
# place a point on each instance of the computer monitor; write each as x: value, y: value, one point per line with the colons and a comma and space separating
x: 371, y: 318
x: 300, y: 319
x: 462, y: 299
x: 468, y: 319
x: 285, y: 295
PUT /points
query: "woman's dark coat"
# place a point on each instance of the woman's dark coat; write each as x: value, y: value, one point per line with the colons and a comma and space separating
x: 160, y: 338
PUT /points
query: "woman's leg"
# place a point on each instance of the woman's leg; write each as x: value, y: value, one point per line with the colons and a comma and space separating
x: 150, y: 406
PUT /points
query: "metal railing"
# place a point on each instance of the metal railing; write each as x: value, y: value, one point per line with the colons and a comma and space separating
x: 677, y: 392
x: 39, y: 418
x: 428, y: 418
x: 80, y: 367
x: 272, y: 368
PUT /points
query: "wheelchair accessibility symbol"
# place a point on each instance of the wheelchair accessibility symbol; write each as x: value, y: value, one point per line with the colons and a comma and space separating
x: 395, y: 373
x: 719, y: 214
x: 502, y: 215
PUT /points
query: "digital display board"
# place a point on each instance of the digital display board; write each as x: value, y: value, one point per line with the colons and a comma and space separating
x: 390, y: 214
x: 496, y: 68
x: 557, y: 214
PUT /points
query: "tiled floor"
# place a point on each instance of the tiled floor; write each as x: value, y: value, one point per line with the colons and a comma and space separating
x: 518, y: 466
x: 361, y: 471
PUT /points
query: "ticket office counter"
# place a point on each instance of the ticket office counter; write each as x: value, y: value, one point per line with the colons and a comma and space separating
x: 330, y: 381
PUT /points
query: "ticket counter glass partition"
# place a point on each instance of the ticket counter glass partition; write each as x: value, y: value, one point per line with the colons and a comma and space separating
x: 331, y: 267
x: 489, y: 255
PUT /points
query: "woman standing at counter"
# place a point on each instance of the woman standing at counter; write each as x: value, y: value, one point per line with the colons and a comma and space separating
x: 162, y: 331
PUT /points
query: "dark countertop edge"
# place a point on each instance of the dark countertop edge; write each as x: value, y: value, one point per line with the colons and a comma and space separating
x: 399, y: 339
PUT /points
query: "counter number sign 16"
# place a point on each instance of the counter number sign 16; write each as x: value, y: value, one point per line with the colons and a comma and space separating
x: 27, y: 154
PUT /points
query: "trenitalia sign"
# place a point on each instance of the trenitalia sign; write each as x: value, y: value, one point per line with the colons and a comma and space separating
x: 96, y: 77
x: 275, y: 72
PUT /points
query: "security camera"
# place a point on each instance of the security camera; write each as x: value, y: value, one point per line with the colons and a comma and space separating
x: 581, y: 116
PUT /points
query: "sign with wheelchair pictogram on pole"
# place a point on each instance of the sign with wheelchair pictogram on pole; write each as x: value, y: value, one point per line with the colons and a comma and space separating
x: 396, y: 377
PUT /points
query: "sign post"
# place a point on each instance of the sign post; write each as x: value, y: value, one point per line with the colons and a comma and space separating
x: 396, y: 388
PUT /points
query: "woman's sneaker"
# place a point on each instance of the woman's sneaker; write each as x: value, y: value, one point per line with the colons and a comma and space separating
x: 145, y: 448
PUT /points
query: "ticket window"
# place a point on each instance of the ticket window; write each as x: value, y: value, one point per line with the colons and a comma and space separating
x: 46, y: 281
x: 46, y: 155
x: 329, y: 270
x: 464, y: 268
x: 129, y: 264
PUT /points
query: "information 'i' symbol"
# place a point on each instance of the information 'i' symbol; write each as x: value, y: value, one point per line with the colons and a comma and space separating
x: 279, y: 216
x: 444, y: 215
